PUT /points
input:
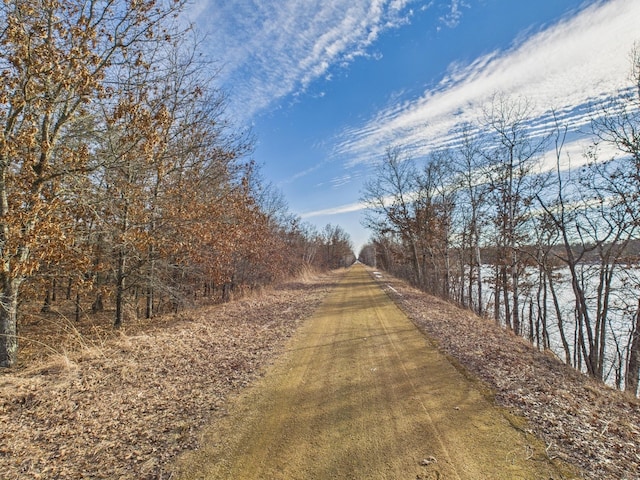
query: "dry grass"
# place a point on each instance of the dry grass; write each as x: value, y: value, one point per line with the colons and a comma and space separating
x: 583, y: 422
x: 91, y: 402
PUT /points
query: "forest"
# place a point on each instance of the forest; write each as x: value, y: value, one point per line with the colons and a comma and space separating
x: 511, y: 224
x: 124, y: 186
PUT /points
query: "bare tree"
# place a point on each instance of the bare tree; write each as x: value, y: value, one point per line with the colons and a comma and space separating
x: 619, y: 125
x: 470, y: 179
x: 389, y: 197
x: 337, y: 246
x: 434, y: 203
x: 411, y: 212
x: 513, y: 162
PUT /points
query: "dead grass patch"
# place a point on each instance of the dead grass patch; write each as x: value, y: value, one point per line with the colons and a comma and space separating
x: 582, y: 422
x: 90, y: 402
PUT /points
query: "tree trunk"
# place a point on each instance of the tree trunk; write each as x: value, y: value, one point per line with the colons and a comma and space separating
x: 417, y: 264
x: 226, y: 292
x: 505, y: 296
x: 469, y: 286
x: 98, y: 304
x: 9, y: 322
x: 480, y: 309
x: 120, y: 287
x: 633, y: 365
x: 78, y: 306
x: 496, y: 293
x: 46, y: 306
x: 534, y: 333
x: 148, y: 312
x: 447, y: 274
x: 556, y: 305
x: 545, y: 316
x: 516, y: 297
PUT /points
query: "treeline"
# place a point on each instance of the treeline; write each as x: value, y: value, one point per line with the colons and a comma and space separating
x: 123, y: 185
x: 503, y: 227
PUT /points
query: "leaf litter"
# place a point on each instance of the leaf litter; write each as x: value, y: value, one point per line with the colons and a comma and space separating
x: 125, y: 409
x: 583, y: 422
x: 127, y: 403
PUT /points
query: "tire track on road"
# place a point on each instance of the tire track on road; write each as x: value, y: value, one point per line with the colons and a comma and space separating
x: 361, y: 393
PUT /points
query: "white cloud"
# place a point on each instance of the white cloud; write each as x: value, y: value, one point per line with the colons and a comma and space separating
x: 566, y: 67
x: 452, y: 18
x: 272, y: 48
x: 349, y: 208
x: 572, y: 156
x: 303, y: 173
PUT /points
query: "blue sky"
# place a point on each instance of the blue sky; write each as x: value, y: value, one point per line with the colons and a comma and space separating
x: 328, y: 85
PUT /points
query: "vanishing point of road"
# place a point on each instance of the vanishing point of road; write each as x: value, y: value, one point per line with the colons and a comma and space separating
x: 361, y: 393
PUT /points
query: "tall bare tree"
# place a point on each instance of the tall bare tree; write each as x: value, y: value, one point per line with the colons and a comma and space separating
x: 513, y: 161
x: 468, y: 163
x: 619, y: 126
x: 390, y: 200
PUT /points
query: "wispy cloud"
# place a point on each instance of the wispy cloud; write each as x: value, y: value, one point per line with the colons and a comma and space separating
x: 341, y: 180
x: 273, y: 48
x: 453, y: 16
x: 566, y: 67
x: 352, y: 207
x: 303, y: 173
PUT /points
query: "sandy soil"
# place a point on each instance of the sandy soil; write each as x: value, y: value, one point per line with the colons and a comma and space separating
x: 361, y: 393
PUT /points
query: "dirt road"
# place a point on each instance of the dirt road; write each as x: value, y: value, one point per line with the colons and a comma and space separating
x: 360, y: 394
